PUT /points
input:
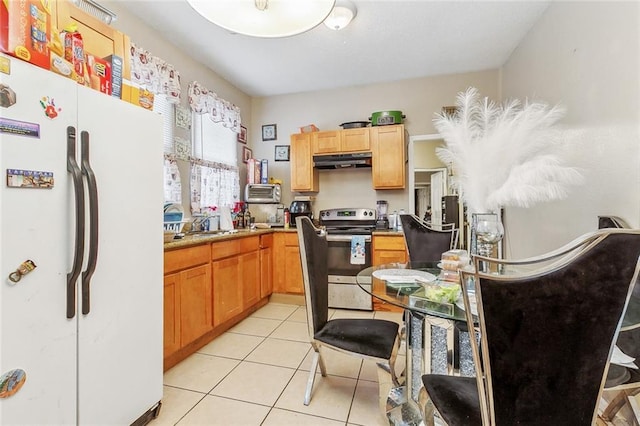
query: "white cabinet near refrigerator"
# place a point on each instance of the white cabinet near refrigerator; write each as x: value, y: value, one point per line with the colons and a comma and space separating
x: 83, y: 187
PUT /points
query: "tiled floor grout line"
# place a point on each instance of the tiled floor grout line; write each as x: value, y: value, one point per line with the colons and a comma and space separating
x: 269, y: 337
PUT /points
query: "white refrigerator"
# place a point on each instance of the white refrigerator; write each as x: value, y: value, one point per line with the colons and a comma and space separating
x: 81, y: 200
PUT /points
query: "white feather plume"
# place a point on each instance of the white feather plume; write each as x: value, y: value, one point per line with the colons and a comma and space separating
x: 503, y: 155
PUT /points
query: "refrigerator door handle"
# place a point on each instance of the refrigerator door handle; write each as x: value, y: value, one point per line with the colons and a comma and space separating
x: 92, y: 186
x: 76, y: 177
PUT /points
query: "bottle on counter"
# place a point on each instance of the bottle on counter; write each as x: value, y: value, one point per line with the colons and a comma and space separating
x: 241, y: 219
x: 287, y: 218
x: 247, y: 218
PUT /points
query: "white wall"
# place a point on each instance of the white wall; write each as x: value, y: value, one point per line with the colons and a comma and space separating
x: 584, y: 55
x: 190, y: 69
x: 418, y: 99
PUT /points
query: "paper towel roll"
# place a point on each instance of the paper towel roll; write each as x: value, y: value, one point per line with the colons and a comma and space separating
x: 226, y: 223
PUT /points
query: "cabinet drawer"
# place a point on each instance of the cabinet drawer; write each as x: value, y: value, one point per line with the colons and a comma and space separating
x: 388, y: 243
x: 224, y: 249
x: 234, y: 247
x: 249, y: 244
x: 176, y: 260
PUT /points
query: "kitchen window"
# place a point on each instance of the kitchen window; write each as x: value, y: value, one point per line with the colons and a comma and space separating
x: 215, y: 181
x: 172, y: 182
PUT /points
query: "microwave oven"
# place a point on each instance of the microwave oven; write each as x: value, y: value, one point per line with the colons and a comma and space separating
x: 262, y: 193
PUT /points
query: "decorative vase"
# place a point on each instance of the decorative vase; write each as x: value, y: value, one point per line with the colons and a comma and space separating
x: 487, y: 231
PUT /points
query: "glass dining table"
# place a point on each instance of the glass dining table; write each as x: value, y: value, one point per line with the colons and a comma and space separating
x: 437, y: 340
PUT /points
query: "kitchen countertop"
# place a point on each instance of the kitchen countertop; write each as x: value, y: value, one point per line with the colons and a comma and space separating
x: 392, y: 232
x: 197, y: 239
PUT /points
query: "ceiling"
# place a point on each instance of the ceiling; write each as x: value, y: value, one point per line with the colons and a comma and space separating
x: 388, y: 40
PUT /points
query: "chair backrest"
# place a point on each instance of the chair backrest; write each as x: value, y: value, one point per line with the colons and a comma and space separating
x: 426, y: 244
x: 547, y: 334
x: 313, y: 254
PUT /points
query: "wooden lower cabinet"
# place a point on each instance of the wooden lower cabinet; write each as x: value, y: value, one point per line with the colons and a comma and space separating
x: 250, y: 278
x: 287, y: 271
x: 387, y: 249
x: 195, y: 307
x: 236, y: 277
x: 187, y: 296
x: 227, y: 292
x: 208, y: 289
x: 266, y: 265
x: 171, y: 313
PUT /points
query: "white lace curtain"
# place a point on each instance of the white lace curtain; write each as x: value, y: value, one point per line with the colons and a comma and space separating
x: 154, y: 74
x: 204, y: 101
x: 172, y: 183
x: 213, y: 185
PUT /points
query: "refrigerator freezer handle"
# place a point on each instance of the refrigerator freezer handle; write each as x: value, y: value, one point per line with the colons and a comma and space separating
x: 76, y: 177
x: 87, y: 171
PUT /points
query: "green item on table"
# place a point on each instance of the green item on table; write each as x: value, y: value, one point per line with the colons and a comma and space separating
x: 442, y: 294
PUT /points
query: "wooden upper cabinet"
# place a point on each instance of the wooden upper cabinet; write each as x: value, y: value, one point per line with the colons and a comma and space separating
x: 304, y: 177
x: 99, y: 39
x: 388, y: 157
x: 355, y: 140
x: 326, y: 142
x: 341, y: 141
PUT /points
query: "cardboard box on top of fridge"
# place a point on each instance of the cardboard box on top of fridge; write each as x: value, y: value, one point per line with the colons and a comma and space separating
x: 74, y: 52
x: 137, y: 95
x: 25, y: 30
x: 117, y: 73
x: 99, y: 73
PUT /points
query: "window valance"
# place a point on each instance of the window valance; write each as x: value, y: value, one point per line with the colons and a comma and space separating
x: 154, y: 74
x: 204, y: 101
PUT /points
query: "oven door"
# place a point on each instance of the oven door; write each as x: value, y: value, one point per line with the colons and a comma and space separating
x: 344, y: 291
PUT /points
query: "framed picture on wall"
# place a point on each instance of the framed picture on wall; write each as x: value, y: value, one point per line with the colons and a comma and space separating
x: 242, y: 136
x: 246, y: 154
x: 183, y: 117
x: 269, y: 132
x: 281, y: 153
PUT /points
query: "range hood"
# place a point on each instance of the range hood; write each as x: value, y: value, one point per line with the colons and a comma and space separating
x: 341, y: 161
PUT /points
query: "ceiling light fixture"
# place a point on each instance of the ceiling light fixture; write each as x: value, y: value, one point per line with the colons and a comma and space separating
x: 343, y: 12
x: 264, y: 18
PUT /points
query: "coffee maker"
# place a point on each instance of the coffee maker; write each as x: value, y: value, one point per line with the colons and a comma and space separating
x: 300, y: 208
x: 382, y: 221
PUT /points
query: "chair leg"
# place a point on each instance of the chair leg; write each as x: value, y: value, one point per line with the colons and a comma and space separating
x: 312, y: 377
x: 426, y: 407
x: 388, y: 367
x: 317, y: 360
x: 614, y: 406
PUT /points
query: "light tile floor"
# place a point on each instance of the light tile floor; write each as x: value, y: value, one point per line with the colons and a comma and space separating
x: 256, y: 373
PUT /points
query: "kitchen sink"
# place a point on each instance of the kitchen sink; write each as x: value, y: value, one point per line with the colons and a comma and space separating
x: 201, y: 234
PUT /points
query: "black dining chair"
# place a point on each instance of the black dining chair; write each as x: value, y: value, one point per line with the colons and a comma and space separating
x: 547, y: 332
x: 623, y: 383
x: 426, y: 242
x: 370, y: 339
